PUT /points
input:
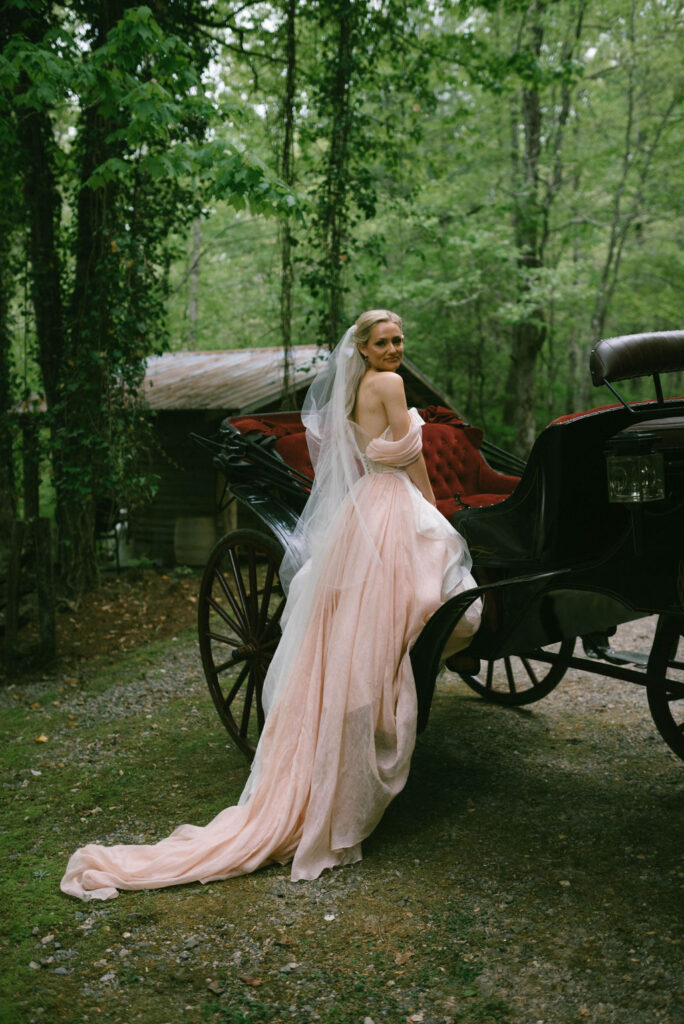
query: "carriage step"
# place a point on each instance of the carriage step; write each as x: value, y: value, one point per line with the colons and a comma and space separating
x: 599, y: 649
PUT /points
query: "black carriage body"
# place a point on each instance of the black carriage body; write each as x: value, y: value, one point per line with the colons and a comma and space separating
x: 556, y: 559
x: 611, y: 562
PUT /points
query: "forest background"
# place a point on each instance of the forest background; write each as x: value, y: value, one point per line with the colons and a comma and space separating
x: 207, y: 175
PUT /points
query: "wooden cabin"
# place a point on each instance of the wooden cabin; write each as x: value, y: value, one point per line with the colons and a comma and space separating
x: 192, y: 392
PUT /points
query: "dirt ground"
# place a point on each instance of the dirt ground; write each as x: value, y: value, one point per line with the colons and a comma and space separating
x: 530, y: 872
x: 127, y: 610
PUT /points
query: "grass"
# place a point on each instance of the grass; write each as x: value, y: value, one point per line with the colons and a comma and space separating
x: 191, y: 954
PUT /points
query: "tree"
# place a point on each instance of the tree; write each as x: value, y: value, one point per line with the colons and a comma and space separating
x: 488, y: 146
x: 139, y: 165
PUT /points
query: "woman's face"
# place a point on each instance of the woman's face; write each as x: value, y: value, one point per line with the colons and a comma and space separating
x: 385, y: 347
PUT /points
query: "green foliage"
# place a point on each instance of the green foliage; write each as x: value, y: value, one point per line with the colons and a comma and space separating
x: 505, y: 173
x: 116, y: 143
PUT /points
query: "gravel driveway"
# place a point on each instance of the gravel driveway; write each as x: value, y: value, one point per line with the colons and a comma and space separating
x: 529, y: 873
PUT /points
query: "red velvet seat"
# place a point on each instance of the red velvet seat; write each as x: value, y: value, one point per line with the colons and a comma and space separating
x: 459, y: 474
x: 295, y: 451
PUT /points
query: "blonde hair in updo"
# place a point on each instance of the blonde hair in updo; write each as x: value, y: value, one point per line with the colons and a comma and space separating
x: 367, y: 321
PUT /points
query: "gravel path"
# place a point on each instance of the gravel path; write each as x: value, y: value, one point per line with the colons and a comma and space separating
x: 529, y: 873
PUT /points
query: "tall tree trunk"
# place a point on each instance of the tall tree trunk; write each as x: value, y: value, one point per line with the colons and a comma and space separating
x: 91, y: 331
x: 528, y: 334
x: 193, y: 301
x: 336, y: 214
x: 43, y: 204
x: 532, y: 205
x: 288, y: 174
x: 7, y: 482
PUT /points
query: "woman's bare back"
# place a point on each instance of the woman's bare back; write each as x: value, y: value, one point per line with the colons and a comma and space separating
x: 381, y: 403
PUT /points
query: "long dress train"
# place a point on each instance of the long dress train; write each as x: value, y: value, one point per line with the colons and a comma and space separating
x: 340, y: 729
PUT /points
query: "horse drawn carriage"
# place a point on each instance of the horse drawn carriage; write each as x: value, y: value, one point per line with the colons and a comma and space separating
x: 586, y: 535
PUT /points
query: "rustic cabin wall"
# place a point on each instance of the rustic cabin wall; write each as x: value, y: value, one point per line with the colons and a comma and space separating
x: 180, y: 525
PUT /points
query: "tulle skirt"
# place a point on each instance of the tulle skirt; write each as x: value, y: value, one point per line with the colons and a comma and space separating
x: 341, y: 704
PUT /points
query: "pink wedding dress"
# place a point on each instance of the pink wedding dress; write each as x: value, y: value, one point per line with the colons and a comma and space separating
x: 341, y: 715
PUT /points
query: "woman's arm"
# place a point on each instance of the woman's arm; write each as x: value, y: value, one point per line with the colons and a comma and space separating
x: 393, y: 396
x: 417, y: 472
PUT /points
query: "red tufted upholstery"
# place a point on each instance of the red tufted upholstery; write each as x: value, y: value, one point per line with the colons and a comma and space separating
x: 279, y: 425
x: 295, y: 451
x: 459, y: 474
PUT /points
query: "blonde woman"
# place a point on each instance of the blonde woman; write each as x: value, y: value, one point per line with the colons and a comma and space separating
x: 370, y: 561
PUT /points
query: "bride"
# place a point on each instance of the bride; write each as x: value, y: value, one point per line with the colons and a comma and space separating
x: 370, y: 561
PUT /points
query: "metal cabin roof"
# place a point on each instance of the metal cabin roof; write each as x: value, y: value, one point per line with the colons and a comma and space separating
x: 234, y: 379
x: 244, y: 379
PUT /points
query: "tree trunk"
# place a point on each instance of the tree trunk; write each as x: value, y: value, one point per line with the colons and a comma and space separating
x: 7, y: 483
x: 76, y: 540
x: 527, y: 335
x: 43, y: 204
x: 38, y: 539
x: 336, y: 214
x: 193, y: 301
x: 81, y: 420
x: 521, y: 387
x: 533, y: 200
x: 288, y: 175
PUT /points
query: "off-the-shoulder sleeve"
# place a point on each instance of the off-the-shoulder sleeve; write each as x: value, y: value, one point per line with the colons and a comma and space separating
x: 402, y: 452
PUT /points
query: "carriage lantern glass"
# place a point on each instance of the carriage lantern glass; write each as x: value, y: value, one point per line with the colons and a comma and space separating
x: 635, y: 472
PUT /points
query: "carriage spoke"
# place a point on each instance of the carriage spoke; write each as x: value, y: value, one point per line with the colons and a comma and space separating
x: 266, y: 598
x: 230, y: 641
x: 517, y: 679
x: 509, y: 676
x: 241, y: 604
x: 228, y: 663
x: 240, y: 587
x: 247, y: 707
x: 530, y: 671
x: 224, y: 615
x: 231, y: 600
x: 270, y: 645
x: 235, y: 688
x: 275, y: 618
x: 253, y: 596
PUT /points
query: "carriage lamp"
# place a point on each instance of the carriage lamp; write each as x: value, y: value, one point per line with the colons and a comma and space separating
x: 636, y: 473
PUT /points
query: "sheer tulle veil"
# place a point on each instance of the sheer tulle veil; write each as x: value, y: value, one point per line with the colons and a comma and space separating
x: 334, y: 451
x: 338, y: 466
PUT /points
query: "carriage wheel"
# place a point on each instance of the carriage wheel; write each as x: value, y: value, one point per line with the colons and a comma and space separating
x: 665, y: 684
x: 240, y: 605
x: 522, y: 679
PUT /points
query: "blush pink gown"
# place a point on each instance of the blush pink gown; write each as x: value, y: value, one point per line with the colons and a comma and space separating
x: 341, y: 721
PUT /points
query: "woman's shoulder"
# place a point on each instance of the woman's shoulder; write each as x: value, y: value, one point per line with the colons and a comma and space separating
x: 387, y: 383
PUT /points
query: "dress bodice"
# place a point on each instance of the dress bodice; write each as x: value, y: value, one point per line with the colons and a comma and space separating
x: 383, y: 454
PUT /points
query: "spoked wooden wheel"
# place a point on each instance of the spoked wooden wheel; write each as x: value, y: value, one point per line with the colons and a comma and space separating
x: 240, y: 605
x: 522, y: 679
x: 665, y: 683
